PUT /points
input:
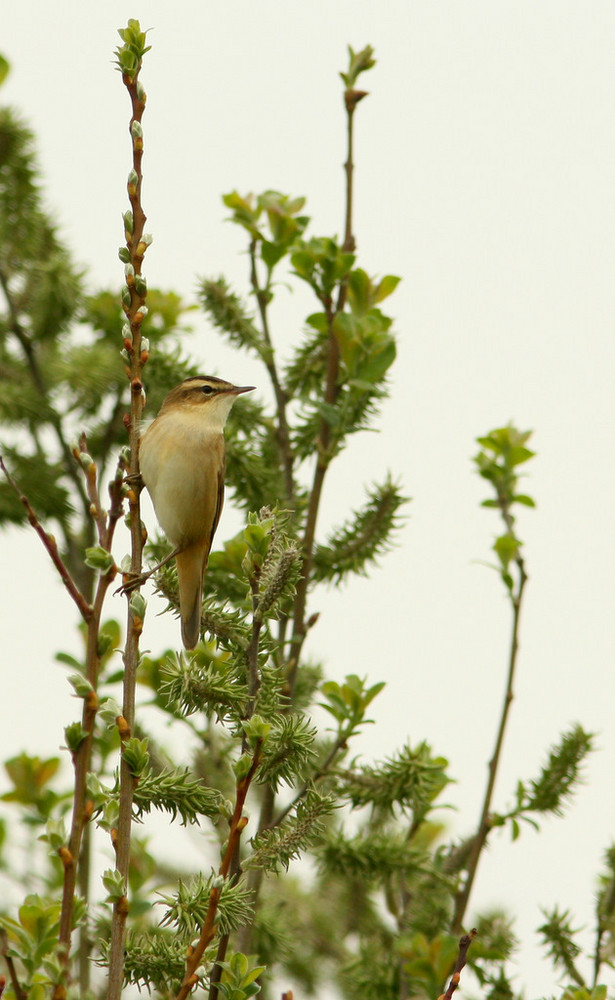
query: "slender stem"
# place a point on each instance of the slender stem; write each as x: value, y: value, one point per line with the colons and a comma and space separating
x: 462, y: 957
x: 281, y: 396
x: 85, y: 609
x: 208, y: 930
x: 122, y: 835
x: 72, y: 854
x: 4, y: 948
x: 300, y: 625
x: 485, y: 822
x: 330, y: 396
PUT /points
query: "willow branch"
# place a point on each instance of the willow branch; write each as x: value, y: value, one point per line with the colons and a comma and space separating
x: 464, y: 944
x: 4, y: 948
x: 208, y: 930
x: 485, y: 822
x: 134, y: 314
x: 281, y: 396
x: 85, y: 609
x: 71, y: 854
x: 351, y: 98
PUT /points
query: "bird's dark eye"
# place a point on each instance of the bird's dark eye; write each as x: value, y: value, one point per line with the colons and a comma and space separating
x: 207, y: 389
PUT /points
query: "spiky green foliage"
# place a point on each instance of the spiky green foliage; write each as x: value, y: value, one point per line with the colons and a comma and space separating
x: 154, y: 959
x: 177, y: 792
x: 561, y: 774
x: 288, y: 750
x: 229, y: 314
x: 187, y: 907
x: 558, y: 936
x: 372, y: 855
x: 356, y: 545
x: 409, y: 781
x: 211, y: 685
x: 275, y: 848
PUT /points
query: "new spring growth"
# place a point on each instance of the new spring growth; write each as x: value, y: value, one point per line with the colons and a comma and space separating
x: 136, y: 131
x: 133, y: 180
x: 146, y: 240
x: 140, y: 315
x: 128, y: 222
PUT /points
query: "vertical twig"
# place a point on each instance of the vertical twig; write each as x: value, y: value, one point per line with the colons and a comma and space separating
x: 208, y: 930
x: 351, y: 99
x: 462, y: 957
x: 484, y: 825
x: 281, y: 396
x: 134, y: 307
x: 71, y: 854
x: 90, y: 613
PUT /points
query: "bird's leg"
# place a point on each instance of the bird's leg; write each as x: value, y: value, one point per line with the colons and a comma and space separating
x: 133, y: 580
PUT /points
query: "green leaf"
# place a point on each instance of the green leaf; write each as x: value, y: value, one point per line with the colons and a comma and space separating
x: 386, y: 287
x: 4, y: 69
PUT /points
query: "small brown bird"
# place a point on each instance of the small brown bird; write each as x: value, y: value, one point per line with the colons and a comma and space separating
x: 182, y: 460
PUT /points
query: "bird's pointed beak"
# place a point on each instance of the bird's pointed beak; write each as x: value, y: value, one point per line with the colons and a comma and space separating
x: 238, y: 389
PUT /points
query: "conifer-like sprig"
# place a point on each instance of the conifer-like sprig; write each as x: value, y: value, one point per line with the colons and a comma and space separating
x: 154, y: 959
x: 211, y: 687
x: 276, y: 585
x: 561, y: 774
x: 375, y: 855
x: 229, y: 314
x: 277, y: 847
x: 363, y: 538
x: 287, y: 751
x: 177, y: 792
x: 559, y: 939
x: 271, y: 698
x: 556, y: 783
x: 410, y: 780
x: 187, y: 907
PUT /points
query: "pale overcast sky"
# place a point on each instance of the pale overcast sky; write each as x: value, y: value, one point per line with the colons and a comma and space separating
x: 485, y: 178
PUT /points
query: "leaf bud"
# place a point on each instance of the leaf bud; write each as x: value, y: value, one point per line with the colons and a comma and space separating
x: 81, y: 685
x: 98, y: 558
x: 241, y: 766
x: 124, y: 255
x: 113, y: 882
x: 136, y: 130
x: 128, y: 222
x: 138, y: 604
x: 133, y: 180
x: 74, y: 734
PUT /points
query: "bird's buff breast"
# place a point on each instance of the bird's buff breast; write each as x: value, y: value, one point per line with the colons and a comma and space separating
x: 181, y: 462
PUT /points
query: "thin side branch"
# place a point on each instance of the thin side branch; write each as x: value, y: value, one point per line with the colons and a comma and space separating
x: 281, y: 397
x: 208, y: 930
x: 485, y: 824
x: 134, y: 313
x: 464, y: 944
x: 85, y: 609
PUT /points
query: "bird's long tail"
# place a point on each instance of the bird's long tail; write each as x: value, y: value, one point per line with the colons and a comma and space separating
x: 191, y: 565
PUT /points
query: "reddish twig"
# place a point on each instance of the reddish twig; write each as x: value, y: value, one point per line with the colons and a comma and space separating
x: 4, y: 948
x: 464, y: 944
x: 208, y: 931
x: 85, y: 609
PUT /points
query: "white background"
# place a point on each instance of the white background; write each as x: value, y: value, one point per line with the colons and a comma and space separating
x: 485, y: 178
